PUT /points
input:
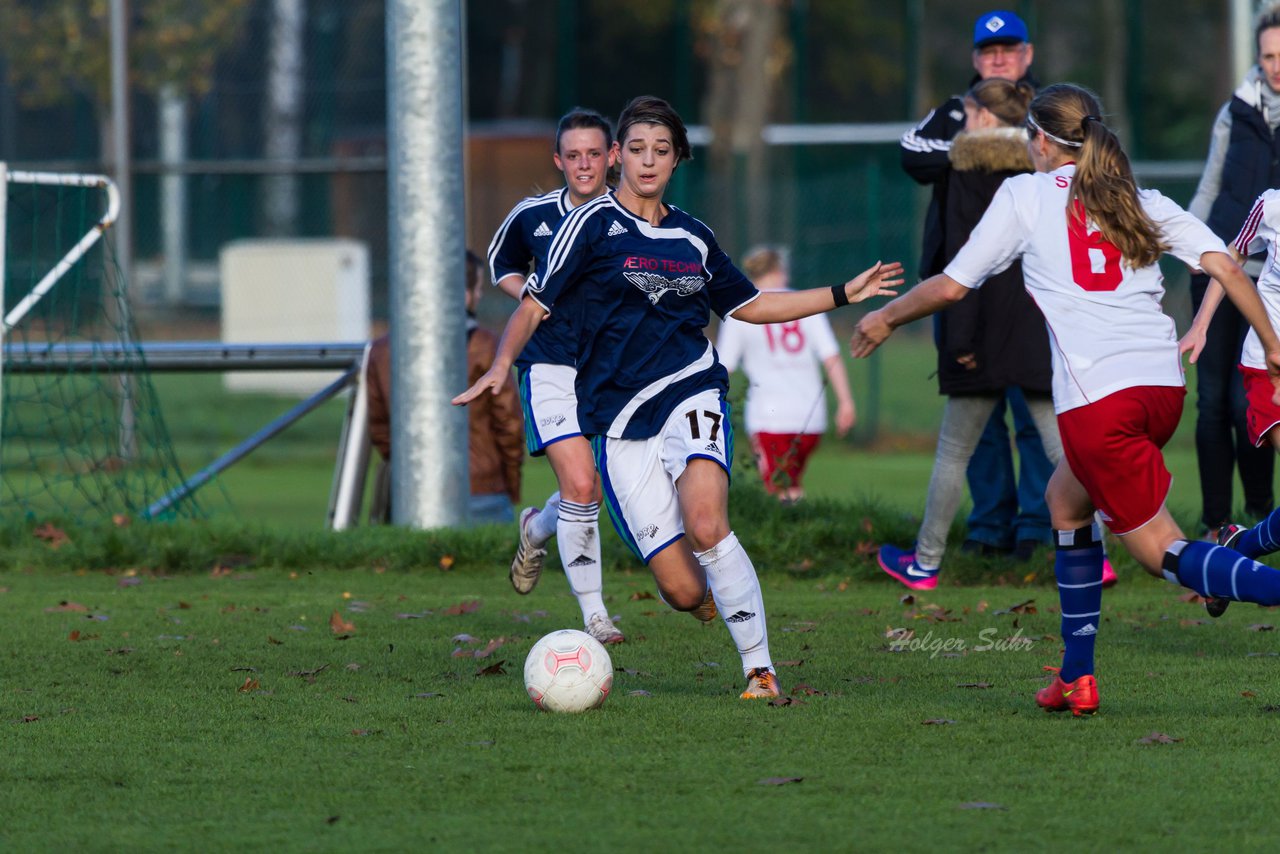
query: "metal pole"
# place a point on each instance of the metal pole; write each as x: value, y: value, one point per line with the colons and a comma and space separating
x: 120, y: 135
x: 173, y: 193
x: 429, y: 471
x: 120, y: 141
x: 1242, y: 47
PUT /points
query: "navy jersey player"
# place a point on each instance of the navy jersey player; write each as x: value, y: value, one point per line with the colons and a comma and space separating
x: 583, y: 152
x: 646, y: 277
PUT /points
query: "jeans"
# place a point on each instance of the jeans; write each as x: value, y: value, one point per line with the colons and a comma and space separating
x: 1005, y: 510
x: 1222, y: 440
x: 964, y: 419
x: 491, y: 509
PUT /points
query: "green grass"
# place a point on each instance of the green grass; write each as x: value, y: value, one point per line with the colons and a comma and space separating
x: 137, y: 736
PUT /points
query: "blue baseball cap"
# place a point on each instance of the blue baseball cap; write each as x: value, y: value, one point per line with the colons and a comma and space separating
x: 999, y: 27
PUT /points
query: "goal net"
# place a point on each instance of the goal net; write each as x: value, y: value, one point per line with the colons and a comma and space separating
x: 81, y: 432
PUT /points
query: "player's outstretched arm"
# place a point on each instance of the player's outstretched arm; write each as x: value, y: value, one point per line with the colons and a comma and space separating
x: 1243, y: 294
x: 524, y: 320
x: 931, y: 295
x: 782, y: 306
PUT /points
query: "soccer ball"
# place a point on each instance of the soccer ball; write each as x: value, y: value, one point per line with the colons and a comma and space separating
x: 568, y: 671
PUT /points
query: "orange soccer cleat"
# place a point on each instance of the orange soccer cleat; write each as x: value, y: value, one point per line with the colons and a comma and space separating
x: 1080, y: 696
x: 762, y: 683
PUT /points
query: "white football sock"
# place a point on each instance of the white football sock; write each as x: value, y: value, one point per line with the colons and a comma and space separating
x: 578, y: 539
x: 543, y: 526
x: 739, y: 600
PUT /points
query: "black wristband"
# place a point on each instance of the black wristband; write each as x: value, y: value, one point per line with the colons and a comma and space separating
x: 838, y: 294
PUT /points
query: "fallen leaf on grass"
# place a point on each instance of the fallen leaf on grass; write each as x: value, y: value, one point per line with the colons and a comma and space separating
x: 30, y: 719
x: 350, y: 699
x: 121, y: 520
x: 982, y: 805
x: 1186, y: 623
x: 1261, y: 627
x: 427, y: 695
x: 124, y: 650
x: 1027, y: 607
x: 64, y: 605
x: 796, y: 662
x: 807, y: 690
x: 937, y: 722
x: 639, y: 692
x: 495, y: 669
x: 467, y: 607
x: 786, y: 701
x: 413, y: 616
x: 129, y: 581
x: 274, y: 642
x: 51, y: 534
x: 1157, y: 738
x: 778, y: 781
x: 464, y: 638
x: 630, y: 672
x: 446, y: 562
x: 364, y: 732
x: 1193, y: 597
x: 640, y: 595
x: 866, y: 548
x: 974, y: 685
x: 309, y: 675
x: 250, y: 684
x: 1247, y: 694
x: 907, y: 599
x: 333, y: 819
x: 898, y: 634
x: 338, y: 625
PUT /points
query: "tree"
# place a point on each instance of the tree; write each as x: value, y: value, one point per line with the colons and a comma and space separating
x: 59, y: 49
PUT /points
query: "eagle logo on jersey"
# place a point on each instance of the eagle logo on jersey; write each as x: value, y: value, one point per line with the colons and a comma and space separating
x: 655, y: 286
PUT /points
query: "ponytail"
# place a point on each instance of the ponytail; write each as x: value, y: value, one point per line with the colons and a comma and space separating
x: 1104, y: 186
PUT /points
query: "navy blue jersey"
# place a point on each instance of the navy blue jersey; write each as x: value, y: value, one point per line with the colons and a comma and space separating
x: 645, y: 293
x: 518, y: 247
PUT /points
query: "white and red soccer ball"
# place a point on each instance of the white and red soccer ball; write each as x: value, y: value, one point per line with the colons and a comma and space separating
x: 568, y: 671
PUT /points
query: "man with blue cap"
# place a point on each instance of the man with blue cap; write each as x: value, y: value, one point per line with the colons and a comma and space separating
x: 1007, y: 515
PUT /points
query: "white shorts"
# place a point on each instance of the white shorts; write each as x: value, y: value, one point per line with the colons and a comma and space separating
x: 550, y: 406
x: 639, y: 475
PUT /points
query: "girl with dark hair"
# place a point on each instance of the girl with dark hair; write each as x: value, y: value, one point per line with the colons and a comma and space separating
x: 1089, y: 240
x: 650, y: 389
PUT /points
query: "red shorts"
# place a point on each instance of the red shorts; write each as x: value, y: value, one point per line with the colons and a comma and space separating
x: 1263, y: 414
x: 782, y: 457
x: 1113, y: 448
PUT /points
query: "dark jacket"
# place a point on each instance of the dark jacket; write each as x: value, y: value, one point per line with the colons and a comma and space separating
x: 923, y: 152
x: 998, y: 323
x: 1252, y: 165
x: 495, y: 425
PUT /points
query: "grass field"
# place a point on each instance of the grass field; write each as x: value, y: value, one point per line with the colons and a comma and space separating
x: 224, y: 712
x: 195, y: 695
x: 286, y: 482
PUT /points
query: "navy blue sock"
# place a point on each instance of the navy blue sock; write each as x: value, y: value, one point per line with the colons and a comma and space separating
x: 1262, y: 539
x: 1078, y: 567
x: 1214, y: 571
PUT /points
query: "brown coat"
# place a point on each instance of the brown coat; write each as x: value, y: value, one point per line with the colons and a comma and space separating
x: 495, y: 422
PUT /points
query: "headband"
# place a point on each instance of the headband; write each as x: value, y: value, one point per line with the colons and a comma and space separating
x: 1031, y: 123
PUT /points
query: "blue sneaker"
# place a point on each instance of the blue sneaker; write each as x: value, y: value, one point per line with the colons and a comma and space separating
x: 901, y: 564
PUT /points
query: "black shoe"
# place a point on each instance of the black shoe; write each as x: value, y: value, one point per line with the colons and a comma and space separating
x: 1024, y: 550
x: 1228, y: 535
x: 981, y: 549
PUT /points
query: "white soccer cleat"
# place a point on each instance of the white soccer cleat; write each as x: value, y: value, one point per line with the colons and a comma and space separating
x: 526, y: 569
x: 602, y: 629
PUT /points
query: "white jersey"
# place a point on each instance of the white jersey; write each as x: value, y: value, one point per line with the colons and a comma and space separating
x: 782, y: 362
x: 1106, y: 327
x: 1262, y: 231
